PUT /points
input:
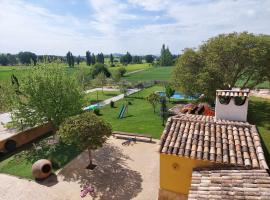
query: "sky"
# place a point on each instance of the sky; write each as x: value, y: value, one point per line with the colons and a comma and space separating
x: 116, y: 26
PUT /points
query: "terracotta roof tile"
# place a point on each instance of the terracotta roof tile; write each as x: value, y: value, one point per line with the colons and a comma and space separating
x: 220, y: 141
x: 230, y: 184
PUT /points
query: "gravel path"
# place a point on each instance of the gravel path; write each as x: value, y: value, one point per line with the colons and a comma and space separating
x: 133, y: 72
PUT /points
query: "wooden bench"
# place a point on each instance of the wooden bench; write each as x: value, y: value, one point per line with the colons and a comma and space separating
x: 119, y: 134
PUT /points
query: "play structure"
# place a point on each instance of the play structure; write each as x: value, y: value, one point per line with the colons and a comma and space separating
x: 122, y: 111
x: 91, y: 107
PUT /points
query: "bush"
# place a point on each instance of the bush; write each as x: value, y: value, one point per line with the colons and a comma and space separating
x: 112, y: 104
x: 122, y: 71
x: 112, y: 65
x: 96, y: 111
x: 99, y: 68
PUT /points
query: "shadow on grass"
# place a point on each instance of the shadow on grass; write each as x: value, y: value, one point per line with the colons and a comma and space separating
x: 112, y: 178
x: 127, y: 116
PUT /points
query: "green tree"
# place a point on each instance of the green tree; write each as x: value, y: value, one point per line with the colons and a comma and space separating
x: 101, y: 80
x: 93, y: 59
x: 3, y: 59
x: 169, y: 91
x: 153, y: 99
x: 111, y: 59
x: 100, y: 58
x: 86, y: 131
x: 123, y: 86
x: 163, y: 110
x: 88, y: 58
x: 116, y: 76
x: 225, y: 61
x: 70, y: 59
x: 27, y: 58
x: 98, y: 68
x: 126, y: 59
x: 136, y: 59
x: 122, y: 71
x: 12, y: 60
x: 78, y: 60
x: 149, y: 58
x: 48, y: 93
x: 166, y: 58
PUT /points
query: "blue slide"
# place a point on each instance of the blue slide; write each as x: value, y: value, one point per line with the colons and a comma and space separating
x: 122, y: 112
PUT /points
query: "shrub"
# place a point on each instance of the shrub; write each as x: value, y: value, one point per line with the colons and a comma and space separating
x: 112, y: 104
x: 122, y: 71
x: 96, y: 111
x: 100, y: 68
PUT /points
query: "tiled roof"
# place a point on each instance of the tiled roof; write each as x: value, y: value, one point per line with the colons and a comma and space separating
x: 230, y: 184
x: 222, y: 141
x: 233, y: 93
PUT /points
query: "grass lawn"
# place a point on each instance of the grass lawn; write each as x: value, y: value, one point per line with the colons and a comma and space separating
x: 259, y: 114
x: 20, y: 164
x: 140, y: 117
x: 151, y: 74
x: 20, y: 71
x: 91, y: 97
x: 132, y: 67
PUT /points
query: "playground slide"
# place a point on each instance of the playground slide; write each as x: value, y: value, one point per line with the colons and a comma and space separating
x: 122, y: 112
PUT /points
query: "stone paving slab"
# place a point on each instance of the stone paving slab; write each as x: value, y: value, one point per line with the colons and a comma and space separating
x: 122, y: 173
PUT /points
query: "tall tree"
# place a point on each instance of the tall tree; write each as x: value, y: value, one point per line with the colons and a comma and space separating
x: 136, y: 59
x: 149, y: 58
x: 70, y: 59
x: 27, y: 58
x: 78, y: 60
x: 3, y: 59
x: 126, y: 59
x: 93, y: 59
x: 88, y: 58
x: 100, y: 58
x: 86, y: 131
x: 101, y: 80
x: 225, y: 61
x: 48, y: 93
x: 166, y: 58
x: 111, y: 59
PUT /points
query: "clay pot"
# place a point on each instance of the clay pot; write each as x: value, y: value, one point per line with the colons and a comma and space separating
x: 42, y: 169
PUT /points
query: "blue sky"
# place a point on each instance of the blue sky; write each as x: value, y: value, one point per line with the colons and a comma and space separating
x: 117, y: 26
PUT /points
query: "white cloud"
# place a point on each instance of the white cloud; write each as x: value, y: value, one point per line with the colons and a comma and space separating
x: 110, y: 26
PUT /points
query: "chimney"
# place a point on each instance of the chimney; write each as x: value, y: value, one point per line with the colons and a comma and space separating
x: 232, y: 104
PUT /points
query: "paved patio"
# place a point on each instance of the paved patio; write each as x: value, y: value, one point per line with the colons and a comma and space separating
x: 123, y: 173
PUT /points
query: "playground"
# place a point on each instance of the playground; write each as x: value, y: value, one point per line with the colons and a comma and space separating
x: 135, y: 115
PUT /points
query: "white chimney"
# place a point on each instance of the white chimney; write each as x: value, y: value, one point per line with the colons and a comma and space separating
x: 232, y: 104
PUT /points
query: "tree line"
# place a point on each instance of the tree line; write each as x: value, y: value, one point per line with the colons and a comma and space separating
x: 30, y: 58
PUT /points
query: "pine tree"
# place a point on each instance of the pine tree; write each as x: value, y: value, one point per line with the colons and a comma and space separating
x: 93, y: 59
x: 88, y: 58
x: 166, y: 57
x: 111, y: 59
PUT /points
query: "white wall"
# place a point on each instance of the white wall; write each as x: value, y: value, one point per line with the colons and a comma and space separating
x: 231, y: 111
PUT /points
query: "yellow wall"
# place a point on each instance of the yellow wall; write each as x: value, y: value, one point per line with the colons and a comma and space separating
x: 176, y: 172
